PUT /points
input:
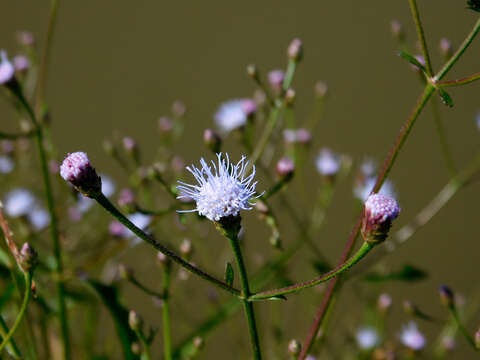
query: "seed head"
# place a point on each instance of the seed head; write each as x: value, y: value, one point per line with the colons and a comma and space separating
x: 77, y: 170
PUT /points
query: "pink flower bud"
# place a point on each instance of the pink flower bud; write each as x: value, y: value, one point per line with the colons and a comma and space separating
x: 380, y: 211
x: 77, y: 170
x: 21, y: 63
x: 285, y: 167
x: 295, y: 50
x: 275, y: 79
x: 7, y: 70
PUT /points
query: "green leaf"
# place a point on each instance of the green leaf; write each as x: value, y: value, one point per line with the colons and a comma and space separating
x: 408, y: 273
x: 411, y: 60
x: 229, y: 275
x: 446, y: 99
x: 473, y: 5
x: 109, y: 296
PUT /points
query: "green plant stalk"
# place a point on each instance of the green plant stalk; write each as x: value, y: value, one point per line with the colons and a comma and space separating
x: 107, y: 205
x: 442, y: 136
x: 167, y: 337
x: 457, y: 82
x: 267, y: 133
x: 23, y: 309
x: 247, y: 305
x: 289, y: 74
x: 146, y: 290
x: 454, y: 312
x: 359, y: 255
x: 421, y: 36
x: 146, y: 347
x: 11, y: 346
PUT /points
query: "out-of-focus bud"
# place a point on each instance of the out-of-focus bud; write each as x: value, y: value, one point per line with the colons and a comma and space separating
x: 259, y: 97
x: 285, y: 168
x: 28, y: 257
x: 25, y: 38
x: 7, y: 146
x: 212, y: 140
x: 21, y: 63
x: 275, y: 79
x: 421, y: 60
x: 290, y: 97
x: 124, y: 272
x: 448, y: 342
x: 446, y: 296
x: 477, y: 339
x: 178, y: 109
x: 328, y: 163
x: 7, y: 70
x: 380, y: 211
x: 135, y: 321
x: 198, y: 342
x: 295, y: 50
x: 177, y: 163
x: 165, y: 124
x: 409, y: 307
x: 130, y: 146
x: 249, y: 107
x: 321, y: 89
x: 252, y: 71
x: 397, y: 30
x: 77, y: 170
x: 186, y: 248
x: 304, y: 136
x: 162, y: 259
x: 126, y: 200
x: 446, y: 48
x: 109, y: 148
x: 261, y: 207
x: 384, y: 303
x: 136, y: 348
x: 54, y: 166
x: 294, y: 347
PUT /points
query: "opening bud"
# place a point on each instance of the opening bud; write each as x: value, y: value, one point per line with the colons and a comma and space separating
x: 295, y: 50
x: 28, y: 257
x: 285, y: 168
x: 379, y: 212
x: 294, y: 347
x: 77, y: 170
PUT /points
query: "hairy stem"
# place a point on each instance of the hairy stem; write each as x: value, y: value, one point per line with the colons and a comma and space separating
x: 167, y: 337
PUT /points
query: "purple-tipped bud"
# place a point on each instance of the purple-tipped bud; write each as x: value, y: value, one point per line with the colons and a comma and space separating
x: 294, y: 347
x: 124, y: 272
x: 28, y: 257
x: 252, y: 71
x: 446, y: 47
x: 275, y: 79
x: 186, y: 248
x: 295, y: 50
x: 212, y: 140
x: 77, y: 170
x: 321, y: 89
x: 290, y: 97
x: 129, y: 144
x: 165, y: 124
x: 285, y: 167
x: 25, y: 38
x: 304, y: 136
x: 163, y: 259
x: 397, y: 29
x: 380, y: 211
x: 7, y: 70
x: 446, y: 296
x: 21, y: 63
x: 249, y: 107
x: 134, y: 321
x: 178, y: 109
x: 384, y: 302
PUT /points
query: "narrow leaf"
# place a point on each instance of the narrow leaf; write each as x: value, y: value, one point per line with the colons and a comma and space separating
x: 446, y: 99
x: 411, y: 59
x: 408, y: 273
x: 229, y: 275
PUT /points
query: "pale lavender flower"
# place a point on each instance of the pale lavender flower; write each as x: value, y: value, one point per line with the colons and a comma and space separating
x: 165, y: 124
x: 290, y: 136
x: 310, y: 357
x: 368, y: 167
x: 6, y: 164
x: 363, y: 189
x: 275, y: 79
x: 39, y: 218
x: 223, y: 189
x: 384, y: 302
x: 19, y: 202
x: 448, y: 342
x: 25, y: 38
x: 412, y: 338
x: 7, y: 70
x: 21, y: 63
x: 285, y: 167
x: 233, y: 114
x: 367, y: 338
x: 445, y: 47
x: 327, y: 162
x: 304, y: 136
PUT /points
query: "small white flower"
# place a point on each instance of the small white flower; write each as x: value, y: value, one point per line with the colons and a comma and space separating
x: 367, y: 338
x: 362, y: 190
x: 39, y: 218
x: 7, y: 71
x: 223, y: 189
x: 19, y: 202
x: 411, y: 337
x: 233, y: 114
x: 327, y: 162
x: 6, y: 164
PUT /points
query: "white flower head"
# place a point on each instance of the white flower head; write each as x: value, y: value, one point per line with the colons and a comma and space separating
x: 411, y: 337
x: 223, y: 189
x: 19, y: 202
x: 233, y: 114
x: 367, y: 338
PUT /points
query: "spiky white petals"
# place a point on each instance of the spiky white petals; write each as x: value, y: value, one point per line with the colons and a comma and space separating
x: 223, y: 188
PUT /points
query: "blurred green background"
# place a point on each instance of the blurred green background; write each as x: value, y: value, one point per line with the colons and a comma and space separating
x: 119, y: 65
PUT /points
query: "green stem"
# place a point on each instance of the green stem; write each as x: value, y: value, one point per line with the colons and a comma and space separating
x: 442, y: 136
x: 364, y: 250
x: 146, y: 347
x: 421, y: 36
x: 23, y: 309
x: 248, y: 306
x: 107, y: 205
x: 457, y: 82
x: 167, y: 337
x: 146, y: 290
x: 267, y: 132
x: 290, y: 73
x: 11, y: 346
x: 458, y: 322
